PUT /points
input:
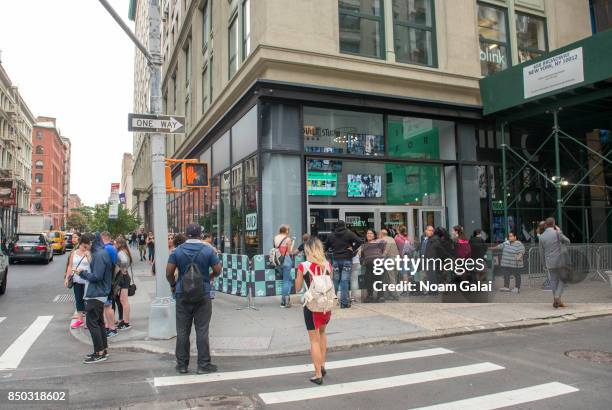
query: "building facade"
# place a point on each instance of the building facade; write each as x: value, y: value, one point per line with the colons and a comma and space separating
x: 49, y: 178
x: 74, y: 201
x: 141, y: 168
x: 363, y: 110
x: 16, y: 121
x: 127, y: 187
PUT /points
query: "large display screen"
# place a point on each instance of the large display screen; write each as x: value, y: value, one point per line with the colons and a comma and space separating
x: 324, y: 165
x: 364, y: 186
x: 322, y: 183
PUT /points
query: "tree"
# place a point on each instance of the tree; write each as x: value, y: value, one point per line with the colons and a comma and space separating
x: 80, y: 219
x: 126, y: 221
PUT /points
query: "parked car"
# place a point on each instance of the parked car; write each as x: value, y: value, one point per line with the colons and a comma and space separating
x: 31, y: 247
x: 58, y: 241
x: 69, y: 244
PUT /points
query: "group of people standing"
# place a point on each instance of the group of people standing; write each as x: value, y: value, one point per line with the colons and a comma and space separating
x: 145, y: 243
x: 98, y: 271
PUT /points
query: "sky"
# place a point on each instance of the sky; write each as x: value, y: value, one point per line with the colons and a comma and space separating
x: 72, y: 61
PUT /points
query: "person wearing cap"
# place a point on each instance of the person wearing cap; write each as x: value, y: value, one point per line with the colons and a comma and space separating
x: 200, y: 312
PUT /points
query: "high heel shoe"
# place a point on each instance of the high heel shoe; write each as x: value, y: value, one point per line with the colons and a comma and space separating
x: 323, y: 371
x: 317, y: 380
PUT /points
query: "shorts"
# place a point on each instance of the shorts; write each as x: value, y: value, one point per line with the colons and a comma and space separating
x: 315, y: 320
x: 124, y: 281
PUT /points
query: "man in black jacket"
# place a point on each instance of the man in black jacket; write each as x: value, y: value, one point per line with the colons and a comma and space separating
x: 343, y: 243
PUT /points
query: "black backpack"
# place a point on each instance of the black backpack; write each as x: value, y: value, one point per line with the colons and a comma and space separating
x: 193, y: 282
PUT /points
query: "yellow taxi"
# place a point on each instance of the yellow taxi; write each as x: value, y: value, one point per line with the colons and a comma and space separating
x: 58, y: 241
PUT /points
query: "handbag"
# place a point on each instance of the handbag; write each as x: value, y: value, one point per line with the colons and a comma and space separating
x: 565, y: 272
x: 70, y: 284
x: 132, y: 287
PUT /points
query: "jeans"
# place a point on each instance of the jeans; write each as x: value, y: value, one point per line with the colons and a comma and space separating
x: 79, y: 292
x: 556, y: 284
x: 287, y: 280
x: 516, y: 272
x: 342, y: 274
x: 151, y: 251
x: 142, y: 251
x: 95, y: 324
x: 186, y: 314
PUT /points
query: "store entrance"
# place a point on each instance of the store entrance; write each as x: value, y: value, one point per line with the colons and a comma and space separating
x: 360, y: 218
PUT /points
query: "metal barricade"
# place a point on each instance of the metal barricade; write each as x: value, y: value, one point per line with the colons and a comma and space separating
x: 604, y: 261
x: 537, y: 272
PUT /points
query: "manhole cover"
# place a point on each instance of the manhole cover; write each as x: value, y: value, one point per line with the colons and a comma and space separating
x: 595, y: 356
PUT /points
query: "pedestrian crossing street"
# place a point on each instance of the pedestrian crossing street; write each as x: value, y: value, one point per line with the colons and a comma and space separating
x: 458, y: 374
x: 14, y: 354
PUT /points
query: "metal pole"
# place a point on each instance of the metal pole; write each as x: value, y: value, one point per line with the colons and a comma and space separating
x: 504, y: 179
x: 162, y: 319
x: 557, y: 169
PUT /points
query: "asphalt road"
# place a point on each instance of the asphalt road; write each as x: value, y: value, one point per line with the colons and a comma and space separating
x: 486, y: 368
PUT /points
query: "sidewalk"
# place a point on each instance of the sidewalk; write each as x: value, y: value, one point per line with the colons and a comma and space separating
x: 271, y: 331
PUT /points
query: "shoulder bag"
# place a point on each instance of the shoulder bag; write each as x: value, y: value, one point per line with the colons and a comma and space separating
x: 132, y: 288
x: 565, y: 272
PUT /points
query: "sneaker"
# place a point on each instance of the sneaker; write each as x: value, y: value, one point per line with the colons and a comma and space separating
x: 96, y: 358
x: 111, y: 333
x: 93, y: 354
x: 504, y: 289
x: 123, y: 326
x: 209, y: 368
x: 516, y: 290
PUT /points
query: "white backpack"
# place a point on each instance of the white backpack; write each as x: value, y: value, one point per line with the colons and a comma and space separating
x: 319, y: 296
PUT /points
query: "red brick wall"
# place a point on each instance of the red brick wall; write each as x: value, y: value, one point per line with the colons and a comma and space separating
x: 52, y: 185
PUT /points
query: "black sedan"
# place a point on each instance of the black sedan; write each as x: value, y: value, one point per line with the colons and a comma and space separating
x: 69, y: 245
x: 31, y: 247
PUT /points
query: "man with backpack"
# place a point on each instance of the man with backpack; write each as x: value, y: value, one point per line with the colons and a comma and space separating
x: 194, y: 260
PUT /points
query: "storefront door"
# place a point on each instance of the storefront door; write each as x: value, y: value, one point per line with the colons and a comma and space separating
x: 360, y: 221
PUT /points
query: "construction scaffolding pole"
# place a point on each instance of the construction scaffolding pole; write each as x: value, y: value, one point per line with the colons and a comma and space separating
x: 557, y: 178
x: 504, y: 179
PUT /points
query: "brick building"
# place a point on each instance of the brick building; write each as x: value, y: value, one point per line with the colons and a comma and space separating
x: 49, y: 171
x: 74, y: 201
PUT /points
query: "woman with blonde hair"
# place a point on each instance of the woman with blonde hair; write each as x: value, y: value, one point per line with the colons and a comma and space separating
x: 316, y: 322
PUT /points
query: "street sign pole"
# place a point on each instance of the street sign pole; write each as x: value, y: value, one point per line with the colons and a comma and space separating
x: 162, y: 319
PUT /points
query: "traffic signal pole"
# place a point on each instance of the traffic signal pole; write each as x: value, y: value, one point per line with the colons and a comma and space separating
x: 162, y: 319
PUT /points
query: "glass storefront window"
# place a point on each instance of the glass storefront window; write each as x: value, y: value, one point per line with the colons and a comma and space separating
x: 493, y: 35
x: 361, y: 27
x: 280, y: 126
x: 224, y: 214
x: 353, y: 182
x: 251, y: 199
x: 343, y: 132
x: 531, y: 36
x: 244, y: 136
x: 236, y: 220
x: 281, y: 196
x: 422, y: 138
x: 413, y: 31
x: 221, y: 154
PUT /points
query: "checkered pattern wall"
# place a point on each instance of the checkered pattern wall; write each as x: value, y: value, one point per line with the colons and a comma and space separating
x: 235, y: 275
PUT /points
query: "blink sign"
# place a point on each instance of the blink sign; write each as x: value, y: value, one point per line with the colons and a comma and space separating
x: 553, y: 73
x: 494, y: 55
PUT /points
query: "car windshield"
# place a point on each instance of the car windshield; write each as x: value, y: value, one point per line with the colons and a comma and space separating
x: 68, y: 236
x: 53, y: 235
x: 29, y: 238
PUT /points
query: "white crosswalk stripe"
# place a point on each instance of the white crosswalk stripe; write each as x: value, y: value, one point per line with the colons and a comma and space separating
x: 11, y: 358
x: 507, y: 398
x: 2, y: 319
x: 302, y: 368
x: 376, y: 384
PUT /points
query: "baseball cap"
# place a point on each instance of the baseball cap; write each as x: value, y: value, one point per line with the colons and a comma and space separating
x: 193, y: 231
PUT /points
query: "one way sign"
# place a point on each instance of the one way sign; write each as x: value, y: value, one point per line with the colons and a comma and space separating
x: 156, y: 123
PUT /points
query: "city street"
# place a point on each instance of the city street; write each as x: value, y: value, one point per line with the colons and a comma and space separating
x: 396, y: 376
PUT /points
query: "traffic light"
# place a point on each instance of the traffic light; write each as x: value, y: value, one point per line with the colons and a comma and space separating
x: 195, y: 175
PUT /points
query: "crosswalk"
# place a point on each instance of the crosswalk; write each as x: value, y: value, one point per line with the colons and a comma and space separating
x: 14, y: 354
x: 459, y: 374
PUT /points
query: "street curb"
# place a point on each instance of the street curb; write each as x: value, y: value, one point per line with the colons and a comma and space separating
x: 144, y: 346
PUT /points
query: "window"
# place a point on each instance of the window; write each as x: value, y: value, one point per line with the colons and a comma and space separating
x: 233, y: 46
x: 206, y: 23
x: 361, y: 27
x: 206, y: 81
x: 420, y: 138
x: 38, y: 178
x: 413, y: 31
x: 187, y: 66
x: 39, y: 164
x: 530, y: 36
x: 246, y: 29
x: 40, y: 150
x: 175, y: 85
x: 38, y: 192
x: 493, y: 35
x: 39, y: 135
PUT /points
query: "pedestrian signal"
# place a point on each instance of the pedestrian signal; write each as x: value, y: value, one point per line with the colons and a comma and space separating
x: 195, y: 175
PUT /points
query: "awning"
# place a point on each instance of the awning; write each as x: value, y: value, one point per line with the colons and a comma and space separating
x: 576, y: 78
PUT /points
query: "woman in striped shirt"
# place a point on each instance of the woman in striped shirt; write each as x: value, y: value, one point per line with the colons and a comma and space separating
x: 512, y: 262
